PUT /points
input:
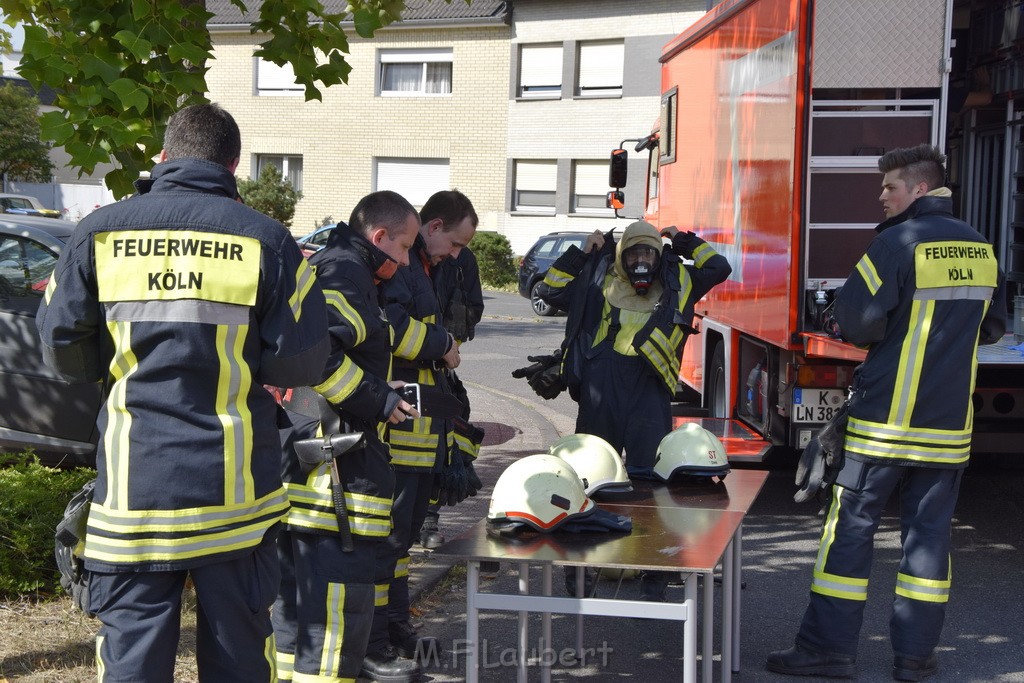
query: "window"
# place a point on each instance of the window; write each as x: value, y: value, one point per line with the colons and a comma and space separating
x: 540, y: 71
x: 414, y: 179
x: 416, y: 72
x: 25, y: 268
x: 590, y: 187
x: 272, y: 79
x: 600, y: 67
x: 289, y: 166
x: 667, y: 135
x: 535, y: 183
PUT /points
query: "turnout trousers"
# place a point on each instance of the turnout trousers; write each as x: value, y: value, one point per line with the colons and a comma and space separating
x: 839, y: 589
x: 141, y: 617
x: 412, y: 496
x: 622, y: 402
x: 323, y: 613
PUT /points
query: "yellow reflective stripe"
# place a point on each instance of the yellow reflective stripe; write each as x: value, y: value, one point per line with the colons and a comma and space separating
x: 828, y: 530
x: 955, y: 264
x: 685, y: 289
x: 51, y: 287
x: 380, y: 594
x: 402, y: 567
x: 334, y: 629
x: 350, y: 314
x: 467, y: 446
x: 657, y: 359
x: 702, y: 253
x: 304, y: 278
x: 925, y: 590
x: 116, y: 440
x: 342, y: 383
x: 875, y: 449
x: 935, y: 437
x: 148, y: 265
x: 285, y: 665
x: 870, y: 276
x: 106, y: 518
x: 313, y: 508
x: 234, y: 382
x: 101, y: 667
x: 908, y: 375
x: 411, y: 343
x: 369, y: 505
x: 268, y: 655
x: 557, y: 278
x: 836, y: 586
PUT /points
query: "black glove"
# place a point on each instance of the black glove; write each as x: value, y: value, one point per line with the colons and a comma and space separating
x: 684, y: 243
x: 454, y: 480
x: 473, y: 483
x: 810, y: 472
x: 540, y: 364
x: 545, y: 375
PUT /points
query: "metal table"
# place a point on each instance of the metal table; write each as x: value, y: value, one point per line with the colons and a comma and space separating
x: 678, y: 528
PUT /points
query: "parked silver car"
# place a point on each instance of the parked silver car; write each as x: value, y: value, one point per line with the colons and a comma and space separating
x: 40, y: 411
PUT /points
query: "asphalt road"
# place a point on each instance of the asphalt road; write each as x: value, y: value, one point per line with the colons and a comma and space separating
x: 982, y: 638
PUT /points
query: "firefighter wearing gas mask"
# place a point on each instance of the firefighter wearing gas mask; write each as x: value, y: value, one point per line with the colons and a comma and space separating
x: 630, y: 305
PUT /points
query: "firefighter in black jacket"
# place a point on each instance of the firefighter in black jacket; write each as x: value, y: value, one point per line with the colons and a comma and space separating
x: 925, y: 294
x: 421, y: 347
x: 183, y: 302
x: 323, y: 614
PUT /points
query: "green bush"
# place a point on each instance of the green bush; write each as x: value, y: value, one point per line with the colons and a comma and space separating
x: 32, y: 501
x: 270, y: 194
x: 494, y: 256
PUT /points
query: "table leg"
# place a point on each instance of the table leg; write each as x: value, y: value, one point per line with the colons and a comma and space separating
x: 690, y: 631
x: 545, y: 641
x: 579, y: 617
x: 472, y: 622
x: 524, y: 635
x: 737, y: 586
x: 708, y: 626
x: 728, y: 610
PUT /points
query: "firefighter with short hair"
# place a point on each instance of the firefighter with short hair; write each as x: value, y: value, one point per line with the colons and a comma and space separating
x: 184, y: 302
x: 323, y: 614
x: 922, y: 298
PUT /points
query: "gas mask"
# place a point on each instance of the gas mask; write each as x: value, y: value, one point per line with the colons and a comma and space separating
x: 641, y: 263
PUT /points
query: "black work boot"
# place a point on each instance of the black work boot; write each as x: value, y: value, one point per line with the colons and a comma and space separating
x: 654, y: 586
x: 386, y: 666
x: 801, y: 660
x: 914, y: 668
x: 589, y: 579
x: 430, y: 537
x: 408, y: 643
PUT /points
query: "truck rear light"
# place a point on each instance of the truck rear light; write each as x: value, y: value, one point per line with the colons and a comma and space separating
x: 823, y: 376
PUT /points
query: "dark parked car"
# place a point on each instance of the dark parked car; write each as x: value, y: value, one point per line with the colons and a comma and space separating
x: 40, y: 411
x: 316, y: 239
x: 538, y: 259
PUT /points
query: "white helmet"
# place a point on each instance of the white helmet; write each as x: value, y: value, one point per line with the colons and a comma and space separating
x: 539, y: 490
x: 598, y: 465
x: 691, y: 449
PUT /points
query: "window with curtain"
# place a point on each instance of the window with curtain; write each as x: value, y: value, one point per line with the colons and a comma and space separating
x: 590, y: 187
x: 414, y: 179
x: 535, y: 185
x: 540, y: 70
x: 600, y: 68
x: 272, y: 79
x: 289, y: 166
x: 416, y: 72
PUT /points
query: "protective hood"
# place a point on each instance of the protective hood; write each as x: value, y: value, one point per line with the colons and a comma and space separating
x: 619, y: 290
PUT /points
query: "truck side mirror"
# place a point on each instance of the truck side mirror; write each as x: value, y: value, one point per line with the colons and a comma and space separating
x: 615, y: 200
x: 617, y: 168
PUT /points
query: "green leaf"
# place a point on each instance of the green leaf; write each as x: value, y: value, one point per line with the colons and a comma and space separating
x: 54, y: 126
x: 132, y: 95
x: 179, y: 52
x: 37, y: 42
x: 107, y: 71
x: 139, y: 47
x: 366, y: 22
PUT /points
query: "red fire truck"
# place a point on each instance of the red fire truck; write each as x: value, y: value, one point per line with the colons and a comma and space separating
x: 773, y: 116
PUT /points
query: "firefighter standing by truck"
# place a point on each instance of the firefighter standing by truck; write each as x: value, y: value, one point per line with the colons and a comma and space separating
x: 421, y: 348
x: 328, y: 555
x: 183, y: 302
x: 925, y: 294
x: 630, y: 309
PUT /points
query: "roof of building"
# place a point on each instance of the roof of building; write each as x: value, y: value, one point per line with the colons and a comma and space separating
x: 416, y: 11
x: 45, y: 95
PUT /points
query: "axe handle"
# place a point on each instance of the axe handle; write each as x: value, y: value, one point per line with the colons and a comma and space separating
x: 340, y: 509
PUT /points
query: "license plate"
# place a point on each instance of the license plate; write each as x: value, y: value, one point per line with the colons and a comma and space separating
x: 816, y: 405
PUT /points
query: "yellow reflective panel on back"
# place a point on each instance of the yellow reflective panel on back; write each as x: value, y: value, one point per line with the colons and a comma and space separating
x: 955, y: 264
x: 148, y: 265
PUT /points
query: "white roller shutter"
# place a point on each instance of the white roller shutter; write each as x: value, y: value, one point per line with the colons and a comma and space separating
x: 536, y: 183
x: 540, y: 69
x: 414, y: 179
x: 601, y: 67
x: 271, y: 78
x: 590, y: 186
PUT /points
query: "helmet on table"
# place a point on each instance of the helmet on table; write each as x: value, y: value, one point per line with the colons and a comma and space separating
x: 541, y: 491
x: 691, y: 450
x: 596, y: 463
